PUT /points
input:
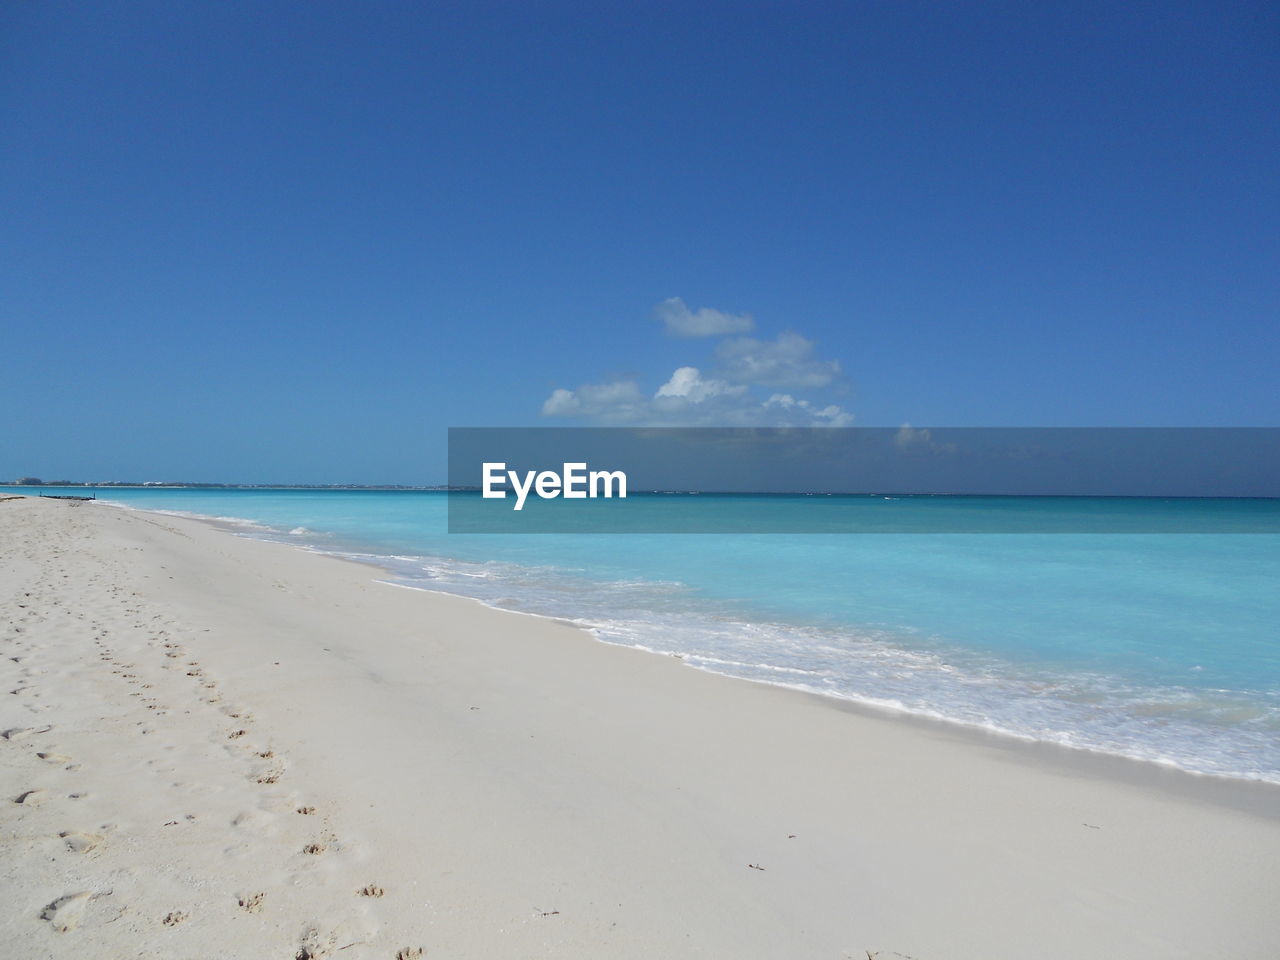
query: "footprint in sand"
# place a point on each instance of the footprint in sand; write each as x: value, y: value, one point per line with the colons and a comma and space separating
x: 78, y: 842
x: 254, y: 821
x: 252, y: 903
x: 21, y: 733
x: 371, y: 890
x: 314, y: 848
x: 409, y: 953
x: 312, y: 951
x: 306, y: 811
x: 174, y: 918
x: 31, y: 797
x: 50, y: 757
x: 65, y: 912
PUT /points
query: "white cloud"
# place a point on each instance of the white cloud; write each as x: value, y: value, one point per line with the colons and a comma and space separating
x: 690, y: 399
x: 728, y: 395
x: 561, y: 403
x: 618, y: 402
x: 912, y: 438
x: 785, y: 362
x: 680, y: 321
x: 688, y: 384
x: 828, y: 416
x: 909, y: 436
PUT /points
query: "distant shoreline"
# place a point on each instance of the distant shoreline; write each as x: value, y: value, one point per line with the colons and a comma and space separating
x: 197, y: 485
x: 447, y: 488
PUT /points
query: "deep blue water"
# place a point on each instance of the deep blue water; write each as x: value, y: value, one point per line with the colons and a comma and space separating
x: 1158, y: 646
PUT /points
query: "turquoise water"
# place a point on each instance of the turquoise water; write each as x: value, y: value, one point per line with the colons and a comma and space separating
x: 1163, y: 647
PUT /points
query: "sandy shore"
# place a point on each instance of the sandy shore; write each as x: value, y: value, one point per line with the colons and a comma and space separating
x: 217, y: 747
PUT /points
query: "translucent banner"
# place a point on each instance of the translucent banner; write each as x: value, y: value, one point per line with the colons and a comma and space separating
x: 864, y: 480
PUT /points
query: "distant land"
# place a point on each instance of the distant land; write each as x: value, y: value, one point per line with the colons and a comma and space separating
x: 194, y: 485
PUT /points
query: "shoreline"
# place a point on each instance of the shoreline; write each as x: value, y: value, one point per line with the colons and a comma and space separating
x: 516, y: 787
x: 1262, y: 795
x: 1242, y: 793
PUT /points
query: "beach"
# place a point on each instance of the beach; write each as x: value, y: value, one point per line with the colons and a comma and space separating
x: 218, y: 746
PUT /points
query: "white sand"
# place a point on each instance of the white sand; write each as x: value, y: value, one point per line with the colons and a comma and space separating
x: 516, y: 789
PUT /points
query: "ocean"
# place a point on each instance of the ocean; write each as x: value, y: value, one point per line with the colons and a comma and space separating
x: 1155, y: 646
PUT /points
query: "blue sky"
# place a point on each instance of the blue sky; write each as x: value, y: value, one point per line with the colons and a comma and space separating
x: 295, y: 242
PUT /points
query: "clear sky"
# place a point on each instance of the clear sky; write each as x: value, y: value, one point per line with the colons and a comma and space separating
x: 296, y: 241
